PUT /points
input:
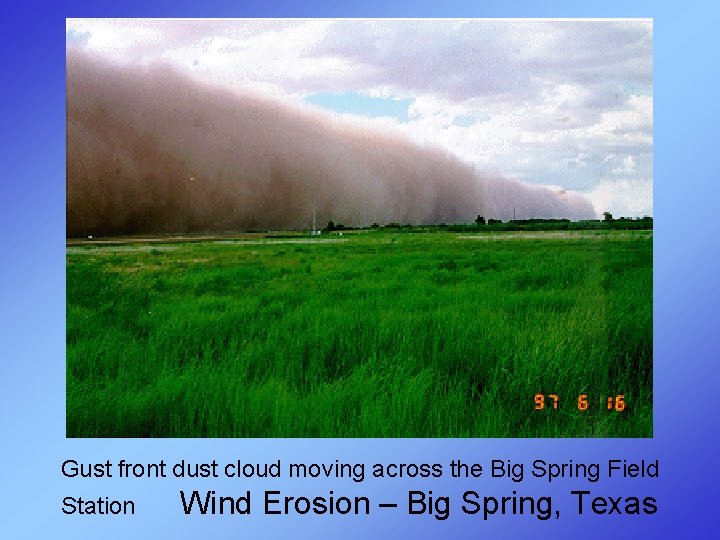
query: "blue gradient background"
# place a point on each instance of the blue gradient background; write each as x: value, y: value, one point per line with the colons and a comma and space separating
x: 32, y: 320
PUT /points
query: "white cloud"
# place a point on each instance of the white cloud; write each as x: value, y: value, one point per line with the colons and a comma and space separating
x: 627, y: 167
x: 623, y: 197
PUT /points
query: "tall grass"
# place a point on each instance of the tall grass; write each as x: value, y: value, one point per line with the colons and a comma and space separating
x: 383, y: 335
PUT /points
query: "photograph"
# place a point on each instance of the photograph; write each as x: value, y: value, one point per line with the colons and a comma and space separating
x: 359, y: 228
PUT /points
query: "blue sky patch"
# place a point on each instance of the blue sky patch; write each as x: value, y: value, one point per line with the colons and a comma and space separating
x: 637, y: 89
x: 464, y: 120
x: 74, y: 37
x: 360, y: 104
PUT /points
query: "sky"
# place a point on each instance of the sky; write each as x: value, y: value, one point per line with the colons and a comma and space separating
x: 560, y: 103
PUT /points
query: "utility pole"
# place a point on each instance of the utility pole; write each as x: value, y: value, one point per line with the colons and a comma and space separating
x: 314, y: 227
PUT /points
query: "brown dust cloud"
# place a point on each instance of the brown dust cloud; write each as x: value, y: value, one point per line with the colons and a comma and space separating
x: 150, y: 150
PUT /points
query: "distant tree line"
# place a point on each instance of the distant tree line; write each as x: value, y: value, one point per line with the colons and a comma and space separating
x: 535, y: 224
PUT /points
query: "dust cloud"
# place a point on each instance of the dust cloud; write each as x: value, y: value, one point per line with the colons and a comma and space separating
x: 152, y: 151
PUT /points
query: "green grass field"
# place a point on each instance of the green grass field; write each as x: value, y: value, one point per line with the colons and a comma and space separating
x: 374, y: 334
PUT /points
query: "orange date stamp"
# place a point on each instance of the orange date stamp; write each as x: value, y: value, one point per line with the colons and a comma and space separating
x: 552, y: 401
